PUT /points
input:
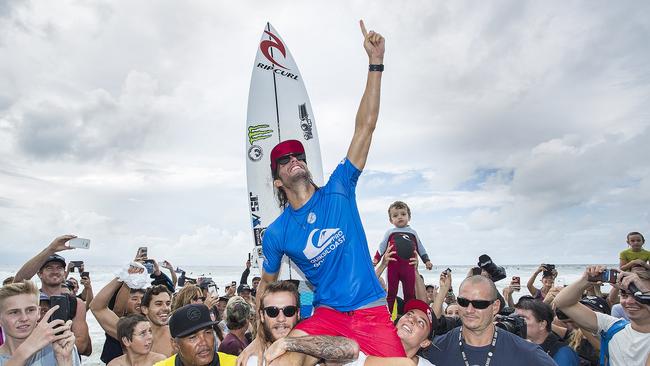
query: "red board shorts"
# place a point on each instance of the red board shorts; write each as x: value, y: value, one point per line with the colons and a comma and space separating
x: 371, y: 328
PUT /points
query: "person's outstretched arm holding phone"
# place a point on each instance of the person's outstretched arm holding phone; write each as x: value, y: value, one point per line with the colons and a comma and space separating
x: 29, y: 269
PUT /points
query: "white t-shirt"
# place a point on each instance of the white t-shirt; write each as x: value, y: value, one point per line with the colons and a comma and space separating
x: 628, y: 347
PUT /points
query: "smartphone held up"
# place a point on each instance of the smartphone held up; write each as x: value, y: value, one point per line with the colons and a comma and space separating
x: 79, y: 243
x: 608, y: 276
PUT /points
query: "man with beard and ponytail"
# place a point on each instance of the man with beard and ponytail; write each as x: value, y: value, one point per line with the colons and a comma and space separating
x: 156, y: 306
x: 320, y: 229
x: 50, y: 268
x: 193, y: 340
x: 278, y: 315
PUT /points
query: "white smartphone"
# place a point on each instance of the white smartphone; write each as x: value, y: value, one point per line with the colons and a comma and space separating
x: 80, y: 243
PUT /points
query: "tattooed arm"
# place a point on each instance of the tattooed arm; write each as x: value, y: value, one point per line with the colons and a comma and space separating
x: 329, y: 348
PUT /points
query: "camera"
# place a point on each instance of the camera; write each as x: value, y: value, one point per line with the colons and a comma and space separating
x: 549, y: 270
x: 496, y: 273
x: 77, y: 265
x: 608, y: 275
x: 549, y: 267
x: 514, y: 324
x: 639, y: 296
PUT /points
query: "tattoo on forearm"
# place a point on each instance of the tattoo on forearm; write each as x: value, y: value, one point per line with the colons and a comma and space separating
x: 324, y: 347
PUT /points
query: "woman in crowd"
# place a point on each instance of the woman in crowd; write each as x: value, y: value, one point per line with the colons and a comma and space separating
x: 548, y: 279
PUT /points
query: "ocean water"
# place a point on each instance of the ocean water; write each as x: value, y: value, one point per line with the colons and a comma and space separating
x: 102, y: 274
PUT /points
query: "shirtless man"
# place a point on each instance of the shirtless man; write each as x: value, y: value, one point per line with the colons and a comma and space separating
x: 156, y: 306
x: 136, y: 337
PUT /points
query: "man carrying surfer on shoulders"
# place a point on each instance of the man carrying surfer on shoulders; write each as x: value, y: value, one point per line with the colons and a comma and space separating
x: 321, y: 231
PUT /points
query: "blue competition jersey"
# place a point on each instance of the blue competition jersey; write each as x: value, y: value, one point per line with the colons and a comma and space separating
x: 326, y: 240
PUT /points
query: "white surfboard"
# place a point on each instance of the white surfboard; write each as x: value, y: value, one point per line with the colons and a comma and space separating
x: 278, y: 110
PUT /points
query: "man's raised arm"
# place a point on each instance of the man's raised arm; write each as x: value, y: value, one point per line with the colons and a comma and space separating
x: 106, y: 318
x: 368, y: 112
x: 567, y: 301
x: 29, y: 269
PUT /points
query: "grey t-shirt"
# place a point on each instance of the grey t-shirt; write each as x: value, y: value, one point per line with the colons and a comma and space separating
x: 44, y: 357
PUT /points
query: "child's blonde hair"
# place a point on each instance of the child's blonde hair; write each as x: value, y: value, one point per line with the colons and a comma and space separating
x: 24, y: 287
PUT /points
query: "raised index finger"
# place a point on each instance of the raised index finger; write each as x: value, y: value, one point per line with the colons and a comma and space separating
x: 48, y: 314
x: 363, y: 28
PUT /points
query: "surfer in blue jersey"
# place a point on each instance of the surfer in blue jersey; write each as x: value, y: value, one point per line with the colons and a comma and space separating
x: 321, y: 231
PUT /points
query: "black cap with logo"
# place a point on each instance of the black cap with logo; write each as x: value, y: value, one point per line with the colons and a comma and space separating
x: 189, y: 319
x: 596, y: 303
x: 54, y: 258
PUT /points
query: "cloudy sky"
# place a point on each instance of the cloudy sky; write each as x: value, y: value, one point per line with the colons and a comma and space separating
x: 514, y: 128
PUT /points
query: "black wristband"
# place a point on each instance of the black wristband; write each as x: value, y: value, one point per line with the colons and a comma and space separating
x: 373, y: 67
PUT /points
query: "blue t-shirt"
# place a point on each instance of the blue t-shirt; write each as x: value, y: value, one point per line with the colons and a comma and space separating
x: 566, y: 356
x: 325, y: 238
x: 510, y: 350
x: 43, y: 357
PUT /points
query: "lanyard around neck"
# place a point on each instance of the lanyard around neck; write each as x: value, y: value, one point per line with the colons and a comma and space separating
x: 490, y: 353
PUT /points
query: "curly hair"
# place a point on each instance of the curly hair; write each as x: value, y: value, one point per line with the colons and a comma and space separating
x: 153, y: 291
x: 185, y: 296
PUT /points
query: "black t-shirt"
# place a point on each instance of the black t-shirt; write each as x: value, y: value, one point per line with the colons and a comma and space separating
x: 112, y: 349
x: 510, y: 350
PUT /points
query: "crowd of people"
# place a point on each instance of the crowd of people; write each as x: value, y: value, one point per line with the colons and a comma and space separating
x: 151, y: 318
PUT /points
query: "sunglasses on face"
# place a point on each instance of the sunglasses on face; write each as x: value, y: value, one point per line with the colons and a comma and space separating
x: 282, y: 160
x: 196, y: 298
x: 274, y: 311
x: 477, y: 304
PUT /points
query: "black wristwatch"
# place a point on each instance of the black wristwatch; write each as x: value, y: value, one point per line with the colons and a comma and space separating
x: 374, y: 67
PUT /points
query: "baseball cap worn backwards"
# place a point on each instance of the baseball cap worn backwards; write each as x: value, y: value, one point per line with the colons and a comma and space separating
x: 285, y: 148
x: 415, y: 304
x: 189, y: 319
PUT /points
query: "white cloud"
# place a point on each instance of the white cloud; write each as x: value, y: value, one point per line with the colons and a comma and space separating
x: 508, y: 127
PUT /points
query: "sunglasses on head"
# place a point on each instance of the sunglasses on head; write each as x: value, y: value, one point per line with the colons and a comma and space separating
x: 282, y: 160
x: 477, y: 304
x: 274, y: 311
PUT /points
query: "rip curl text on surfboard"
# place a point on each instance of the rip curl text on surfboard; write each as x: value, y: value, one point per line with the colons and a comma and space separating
x: 277, y: 71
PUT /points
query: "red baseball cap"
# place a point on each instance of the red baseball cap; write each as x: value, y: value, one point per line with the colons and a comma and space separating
x: 416, y: 304
x: 285, y: 148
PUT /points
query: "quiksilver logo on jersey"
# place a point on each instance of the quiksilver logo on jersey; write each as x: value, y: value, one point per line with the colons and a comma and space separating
x: 322, y: 242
